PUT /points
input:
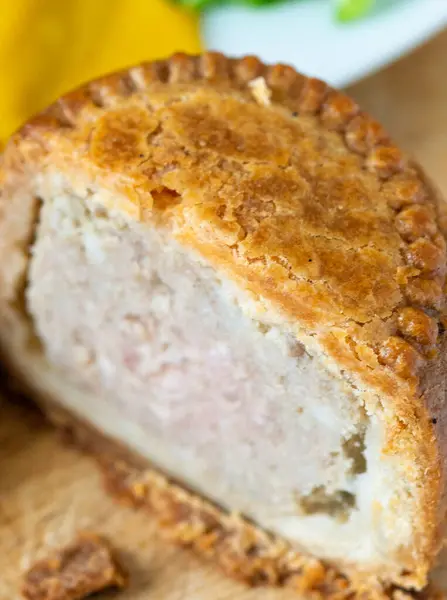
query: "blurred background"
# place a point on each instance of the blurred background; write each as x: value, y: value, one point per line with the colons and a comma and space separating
x: 50, y: 46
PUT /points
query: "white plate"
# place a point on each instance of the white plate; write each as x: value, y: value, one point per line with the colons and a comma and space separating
x: 303, y: 33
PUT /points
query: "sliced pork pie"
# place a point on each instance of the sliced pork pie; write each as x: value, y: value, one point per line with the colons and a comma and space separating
x: 228, y: 272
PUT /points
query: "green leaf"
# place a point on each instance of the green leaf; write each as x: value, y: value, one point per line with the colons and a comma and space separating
x: 196, y: 4
x: 345, y: 10
x: 348, y: 10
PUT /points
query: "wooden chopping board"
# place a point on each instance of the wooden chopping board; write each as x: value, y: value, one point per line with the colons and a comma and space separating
x: 48, y: 492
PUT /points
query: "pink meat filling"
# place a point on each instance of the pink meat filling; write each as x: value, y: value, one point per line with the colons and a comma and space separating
x: 231, y: 405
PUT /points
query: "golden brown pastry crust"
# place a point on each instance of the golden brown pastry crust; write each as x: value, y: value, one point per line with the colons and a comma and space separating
x: 295, y: 194
x: 84, y: 567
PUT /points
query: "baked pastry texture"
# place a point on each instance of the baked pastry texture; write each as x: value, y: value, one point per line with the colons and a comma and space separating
x: 86, y: 566
x: 230, y: 270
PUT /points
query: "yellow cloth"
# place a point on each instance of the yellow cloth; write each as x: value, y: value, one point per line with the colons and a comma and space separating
x: 50, y: 46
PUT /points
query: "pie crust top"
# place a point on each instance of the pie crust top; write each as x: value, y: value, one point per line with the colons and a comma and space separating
x: 279, y: 180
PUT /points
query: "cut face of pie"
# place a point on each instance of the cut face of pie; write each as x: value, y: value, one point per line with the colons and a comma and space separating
x: 228, y: 273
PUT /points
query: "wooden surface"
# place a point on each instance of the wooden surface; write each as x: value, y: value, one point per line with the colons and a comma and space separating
x: 48, y: 492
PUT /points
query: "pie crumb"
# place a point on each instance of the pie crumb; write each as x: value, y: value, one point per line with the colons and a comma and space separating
x: 260, y: 90
x: 82, y: 568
